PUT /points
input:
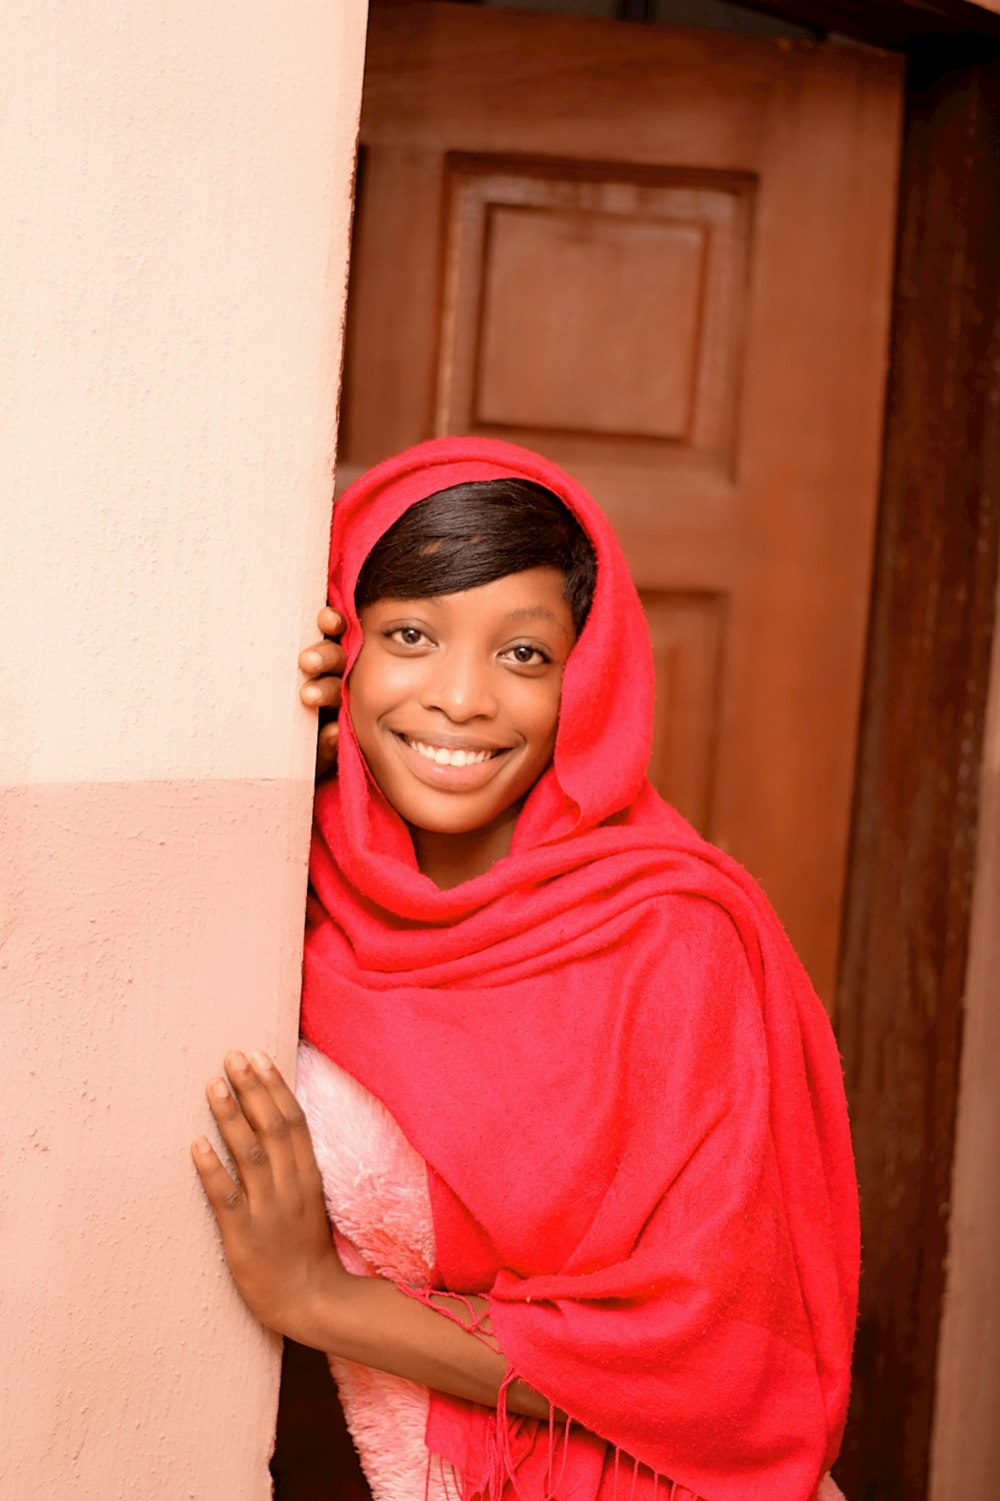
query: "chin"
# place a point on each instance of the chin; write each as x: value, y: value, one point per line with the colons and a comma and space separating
x: 458, y: 820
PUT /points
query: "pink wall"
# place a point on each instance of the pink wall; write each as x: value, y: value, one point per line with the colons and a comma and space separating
x: 175, y: 280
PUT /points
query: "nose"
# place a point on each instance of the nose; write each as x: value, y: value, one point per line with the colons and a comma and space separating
x: 459, y: 685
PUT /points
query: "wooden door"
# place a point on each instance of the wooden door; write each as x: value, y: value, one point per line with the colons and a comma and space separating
x: 663, y: 258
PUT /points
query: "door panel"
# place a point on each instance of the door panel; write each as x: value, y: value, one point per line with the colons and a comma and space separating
x: 662, y: 258
x: 688, y: 631
x: 634, y: 321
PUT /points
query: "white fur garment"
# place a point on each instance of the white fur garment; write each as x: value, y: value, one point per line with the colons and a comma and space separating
x: 377, y: 1197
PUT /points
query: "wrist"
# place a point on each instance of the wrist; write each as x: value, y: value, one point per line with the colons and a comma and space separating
x: 321, y: 1317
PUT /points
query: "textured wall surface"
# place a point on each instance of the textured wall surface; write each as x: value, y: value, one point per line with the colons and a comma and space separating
x: 177, y: 181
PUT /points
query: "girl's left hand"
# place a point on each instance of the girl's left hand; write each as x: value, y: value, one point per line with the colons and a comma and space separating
x: 272, y: 1216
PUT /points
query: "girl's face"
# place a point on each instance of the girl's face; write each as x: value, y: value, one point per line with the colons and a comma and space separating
x: 455, y: 699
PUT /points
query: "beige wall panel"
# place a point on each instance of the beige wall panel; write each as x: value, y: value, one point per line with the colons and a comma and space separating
x: 178, y: 185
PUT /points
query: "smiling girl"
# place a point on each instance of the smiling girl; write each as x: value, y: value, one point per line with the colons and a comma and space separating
x: 575, y: 1109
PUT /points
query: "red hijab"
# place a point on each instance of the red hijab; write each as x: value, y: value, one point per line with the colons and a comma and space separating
x: 626, y: 1092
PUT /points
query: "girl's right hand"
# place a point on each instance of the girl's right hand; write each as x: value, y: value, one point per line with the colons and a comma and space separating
x: 323, y: 667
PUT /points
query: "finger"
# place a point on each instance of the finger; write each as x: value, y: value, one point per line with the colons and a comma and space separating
x: 223, y: 1193
x: 323, y: 656
x: 326, y: 748
x: 322, y: 693
x: 242, y: 1142
x: 255, y: 1090
x: 329, y: 622
x: 295, y: 1130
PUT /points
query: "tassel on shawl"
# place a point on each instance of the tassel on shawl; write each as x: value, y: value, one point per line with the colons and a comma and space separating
x: 501, y: 1463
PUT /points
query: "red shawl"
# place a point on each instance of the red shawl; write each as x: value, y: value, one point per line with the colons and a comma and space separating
x: 626, y: 1092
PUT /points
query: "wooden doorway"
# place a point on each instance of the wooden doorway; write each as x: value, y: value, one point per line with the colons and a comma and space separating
x: 663, y: 258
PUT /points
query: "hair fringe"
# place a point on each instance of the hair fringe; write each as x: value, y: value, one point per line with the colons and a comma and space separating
x: 472, y: 534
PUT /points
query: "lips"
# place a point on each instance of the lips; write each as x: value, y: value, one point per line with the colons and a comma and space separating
x: 450, y: 762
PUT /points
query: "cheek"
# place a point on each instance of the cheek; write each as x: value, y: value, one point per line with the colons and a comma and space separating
x: 361, y: 705
x: 540, y: 718
x: 376, y: 684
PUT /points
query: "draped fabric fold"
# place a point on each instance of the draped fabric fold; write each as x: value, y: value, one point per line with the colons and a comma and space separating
x: 626, y: 1092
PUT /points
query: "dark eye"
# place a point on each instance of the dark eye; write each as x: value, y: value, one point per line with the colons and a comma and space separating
x: 406, y: 635
x: 528, y: 656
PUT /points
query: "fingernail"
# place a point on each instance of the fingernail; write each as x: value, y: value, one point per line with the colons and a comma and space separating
x: 312, y: 659
x: 261, y: 1061
x: 219, y: 1088
x: 236, y: 1060
x: 202, y: 1146
x: 311, y: 693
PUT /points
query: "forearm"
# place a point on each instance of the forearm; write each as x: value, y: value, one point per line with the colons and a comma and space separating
x: 374, y: 1323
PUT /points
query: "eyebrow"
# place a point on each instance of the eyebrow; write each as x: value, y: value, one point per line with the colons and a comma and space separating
x: 523, y: 612
x: 535, y: 612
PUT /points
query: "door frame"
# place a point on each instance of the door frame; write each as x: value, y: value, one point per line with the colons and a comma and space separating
x: 904, y: 969
x: 907, y: 928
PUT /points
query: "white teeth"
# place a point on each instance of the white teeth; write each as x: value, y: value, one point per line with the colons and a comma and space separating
x: 444, y: 757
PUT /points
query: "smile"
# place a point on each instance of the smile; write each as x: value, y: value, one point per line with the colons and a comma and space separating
x: 455, y: 767
x: 443, y: 755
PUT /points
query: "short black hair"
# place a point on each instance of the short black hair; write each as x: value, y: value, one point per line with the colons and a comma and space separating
x: 475, y: 533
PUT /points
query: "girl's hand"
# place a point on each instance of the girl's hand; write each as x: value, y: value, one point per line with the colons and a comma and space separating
x: 281, y: 1254
x: 272, y: 1217
x: 323, y: 665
